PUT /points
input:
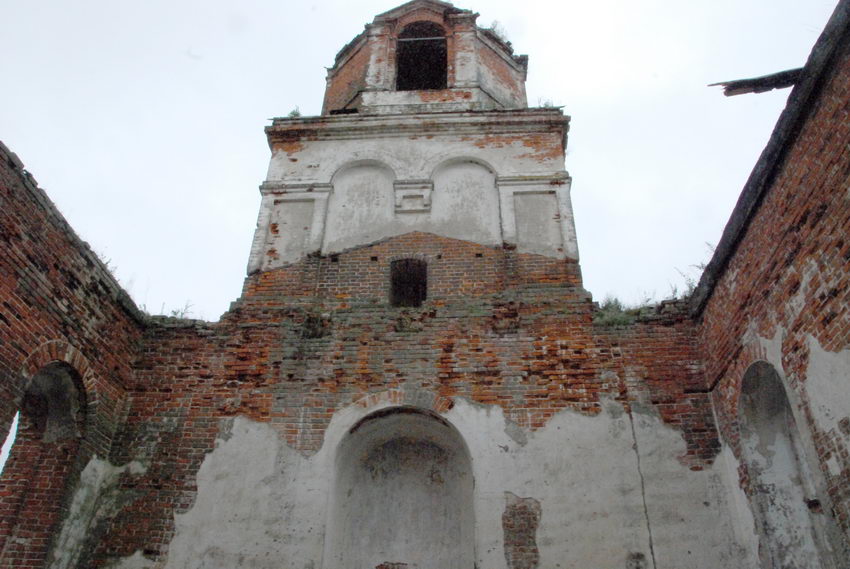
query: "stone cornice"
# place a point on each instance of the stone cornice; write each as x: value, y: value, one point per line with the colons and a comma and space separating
x: 526, y: 121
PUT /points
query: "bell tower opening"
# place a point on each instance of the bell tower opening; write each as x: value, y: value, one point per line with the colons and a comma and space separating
x: 421, y: 57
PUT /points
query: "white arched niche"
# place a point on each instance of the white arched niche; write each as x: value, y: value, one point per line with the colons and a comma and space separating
x: 466, y: 202
x: 361, y: 206
x: 402, y: 495
x: 782, y: 493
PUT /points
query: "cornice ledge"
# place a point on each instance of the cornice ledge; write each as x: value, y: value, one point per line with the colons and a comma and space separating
x: 374, y: 126
x: 556, y: 178
x: 280, y: 187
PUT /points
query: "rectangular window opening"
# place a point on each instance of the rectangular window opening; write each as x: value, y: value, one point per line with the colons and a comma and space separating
x: 408, y: 282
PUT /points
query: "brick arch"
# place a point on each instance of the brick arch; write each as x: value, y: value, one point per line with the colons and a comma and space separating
x: 751, y: 353
x: 729, y: 388
x: 61, y: 351
x: 421, y: 399
x: 421, y: 15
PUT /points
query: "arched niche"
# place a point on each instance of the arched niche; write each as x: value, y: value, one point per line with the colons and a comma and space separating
x: 781, y: 492
x: 465, y: 203
x: 361, y: 206
x: 402, y: 495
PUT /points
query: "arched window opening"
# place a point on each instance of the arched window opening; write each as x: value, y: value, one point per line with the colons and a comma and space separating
x: 403, y: 495
x: 53, y: 404
x: 44, y: 456
x: 421, y: 57
x: 781, y: 491
x: 408, y: 282
x: 51, y: 415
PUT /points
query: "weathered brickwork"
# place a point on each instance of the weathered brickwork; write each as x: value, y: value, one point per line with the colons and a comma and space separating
x: 345, y: 85
x: 786, y: 290
x: 658, y: 362
x: 134, y: 460
x: 456, y: 269
x: 58, y: 303
x: 292, y: 355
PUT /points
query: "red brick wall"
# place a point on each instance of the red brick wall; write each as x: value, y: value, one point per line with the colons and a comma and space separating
x: 349, y: 79
x: 658, y: 363
x: 498, y: 75
x: 456, y: 269
x: 57, y: 303
x: 503, y: 329
x: 790, y: 275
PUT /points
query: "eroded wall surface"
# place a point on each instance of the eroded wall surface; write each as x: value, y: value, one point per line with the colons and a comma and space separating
x: 588, y: 443
x: 783, y: 299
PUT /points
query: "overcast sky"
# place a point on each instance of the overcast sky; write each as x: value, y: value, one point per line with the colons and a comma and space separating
x: 144, y: 121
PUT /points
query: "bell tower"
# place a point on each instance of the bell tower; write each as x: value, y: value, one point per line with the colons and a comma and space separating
x: 425, y: 129
x: 425, y: 55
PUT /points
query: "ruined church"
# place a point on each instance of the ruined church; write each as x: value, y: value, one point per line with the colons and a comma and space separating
x: 414, y: 376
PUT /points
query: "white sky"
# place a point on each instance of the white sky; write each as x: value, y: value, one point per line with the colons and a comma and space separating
x: 144, y: 121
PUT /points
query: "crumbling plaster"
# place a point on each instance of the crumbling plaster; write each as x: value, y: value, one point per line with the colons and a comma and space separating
x: 415, y: 151
x: 482, y: 182
x: 823, y: 393
x: 817, y: 405
x: 826, y: 385
x: 261, y: 504
x: 95, y: 500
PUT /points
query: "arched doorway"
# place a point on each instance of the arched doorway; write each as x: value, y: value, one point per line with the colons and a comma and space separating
x: 403, y: 495
x: 780, y: 487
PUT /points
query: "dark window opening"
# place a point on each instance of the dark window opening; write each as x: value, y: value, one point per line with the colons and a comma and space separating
x: 53, y: 405
x: 421, y: 57
x: 409, y: 282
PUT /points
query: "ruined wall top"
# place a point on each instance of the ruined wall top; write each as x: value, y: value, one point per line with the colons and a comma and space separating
x: 421, y: 56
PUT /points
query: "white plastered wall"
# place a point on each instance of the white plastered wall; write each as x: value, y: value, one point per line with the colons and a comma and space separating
x: 340, y: 194
x: 611, y: 489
